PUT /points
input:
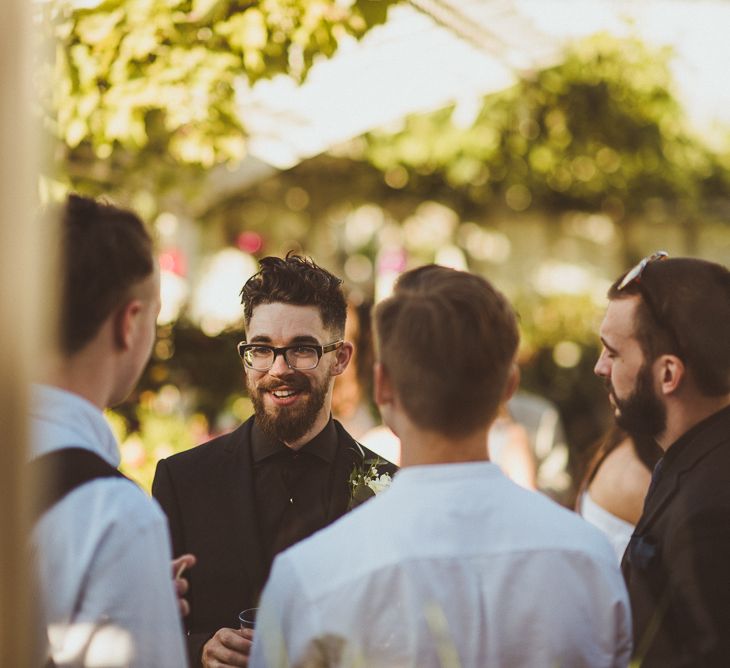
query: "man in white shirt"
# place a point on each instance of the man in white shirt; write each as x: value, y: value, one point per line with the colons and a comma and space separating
x: 454, y: 565
x: 102, y: 550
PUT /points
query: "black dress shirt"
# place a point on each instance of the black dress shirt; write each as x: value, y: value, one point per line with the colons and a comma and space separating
x: 215, y: 511
x: 292, y: 488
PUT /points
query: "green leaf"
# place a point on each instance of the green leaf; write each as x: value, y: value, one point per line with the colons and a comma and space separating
x: 94, y: 28
x: 201, y: 8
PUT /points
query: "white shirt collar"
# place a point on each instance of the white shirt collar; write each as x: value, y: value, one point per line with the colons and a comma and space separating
x: 446, y: 472
x: 61, y: 419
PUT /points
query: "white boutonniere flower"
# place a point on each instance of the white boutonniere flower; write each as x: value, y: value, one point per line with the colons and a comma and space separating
x: 365, y: 481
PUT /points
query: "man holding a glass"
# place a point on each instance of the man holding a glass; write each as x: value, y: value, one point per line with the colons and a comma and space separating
x: 287, y: 472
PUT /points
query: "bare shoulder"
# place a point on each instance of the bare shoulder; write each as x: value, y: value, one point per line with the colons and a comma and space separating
x: 621, y: 483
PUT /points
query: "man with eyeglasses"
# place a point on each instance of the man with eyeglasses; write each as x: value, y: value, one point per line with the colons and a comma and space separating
x: 666, y: 363
x: 240, y: 499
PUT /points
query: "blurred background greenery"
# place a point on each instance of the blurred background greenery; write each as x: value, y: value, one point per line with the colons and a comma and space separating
x: 547, y: 164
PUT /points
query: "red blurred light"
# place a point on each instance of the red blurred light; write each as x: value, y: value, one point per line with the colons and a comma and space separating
x: 250, y: 242
x: 173, y: 260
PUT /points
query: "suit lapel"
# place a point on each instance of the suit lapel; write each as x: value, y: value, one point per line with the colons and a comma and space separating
x: 237, y: 479
x: 707, y: 437
x: 349, y: 455
x: 660, y: 498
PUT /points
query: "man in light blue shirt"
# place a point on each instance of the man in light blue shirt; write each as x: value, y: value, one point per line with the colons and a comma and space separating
x: 102, y: 550
x: 454, y: 565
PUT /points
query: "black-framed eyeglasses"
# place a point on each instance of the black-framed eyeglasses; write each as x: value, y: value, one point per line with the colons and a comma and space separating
x: 633, y: 277
x: 299, y: 356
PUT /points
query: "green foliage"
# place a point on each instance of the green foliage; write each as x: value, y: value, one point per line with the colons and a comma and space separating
x: 547, y: 321
x: 159, y: 432
x: 548, y: 325
x: 601, y: 130
x: 191, y: 389
x: 136, y: 81
x: 163, y: 423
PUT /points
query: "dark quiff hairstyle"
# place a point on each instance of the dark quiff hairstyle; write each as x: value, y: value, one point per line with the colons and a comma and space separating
x: 447, y: 340
x: 685, y: 310
x: 105, y: 251
x: 298, y: 281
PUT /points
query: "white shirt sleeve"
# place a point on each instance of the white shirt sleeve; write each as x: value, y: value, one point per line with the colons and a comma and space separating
x: 138, y: 595
x: 624, y: 641
x: 286, y: 625
x: 129, y: 614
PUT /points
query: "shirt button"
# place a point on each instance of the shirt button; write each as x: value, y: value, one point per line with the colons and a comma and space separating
x: 291, y: 500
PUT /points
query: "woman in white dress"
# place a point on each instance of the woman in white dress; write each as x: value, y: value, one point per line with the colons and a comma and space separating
x: 613, y: 490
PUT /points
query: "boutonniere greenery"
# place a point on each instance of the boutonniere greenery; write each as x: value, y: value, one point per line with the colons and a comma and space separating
x: 366, y: 481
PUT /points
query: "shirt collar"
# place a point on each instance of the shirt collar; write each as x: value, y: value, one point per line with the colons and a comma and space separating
x: 62, y: 419
x: 675, y: 450
x: 323, y: 445
x: 435, y: 473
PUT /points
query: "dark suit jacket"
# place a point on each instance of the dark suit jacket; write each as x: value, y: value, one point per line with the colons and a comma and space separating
x: 207, y: 494
x: 677, y: 564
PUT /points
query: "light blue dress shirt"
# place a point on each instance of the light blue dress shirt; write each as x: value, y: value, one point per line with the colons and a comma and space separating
x: 453, y: 566
x: 102, y: 554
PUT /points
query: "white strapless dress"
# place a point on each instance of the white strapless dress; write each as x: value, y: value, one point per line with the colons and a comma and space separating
x: 617, y: 530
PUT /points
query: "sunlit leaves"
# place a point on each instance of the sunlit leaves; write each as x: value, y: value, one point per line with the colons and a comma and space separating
x: 600, y: 127
x: 97, y: 28
x: 156, y: 79
x: 201, y: 8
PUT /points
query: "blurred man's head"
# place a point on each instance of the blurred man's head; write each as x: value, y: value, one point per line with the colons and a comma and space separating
x: 446, y: 340
x: 109, y: 280
x: 665, y: 315
x: 295, y: 315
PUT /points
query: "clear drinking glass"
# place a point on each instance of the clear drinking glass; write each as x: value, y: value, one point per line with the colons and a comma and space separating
x: 247, y: 618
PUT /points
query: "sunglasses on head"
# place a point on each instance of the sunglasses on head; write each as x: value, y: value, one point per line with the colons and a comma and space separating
x: 633, y: 276
x: 635, y: 273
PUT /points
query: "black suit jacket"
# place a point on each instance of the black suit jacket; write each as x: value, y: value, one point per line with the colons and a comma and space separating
x: 677, y: 564
x: 207, y: 493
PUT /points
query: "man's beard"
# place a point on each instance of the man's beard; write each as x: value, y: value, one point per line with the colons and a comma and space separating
x: 641, y: 413
x: 289, y: 423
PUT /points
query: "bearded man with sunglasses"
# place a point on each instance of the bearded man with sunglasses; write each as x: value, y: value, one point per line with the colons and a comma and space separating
x: 240, y: 499
x: 666, y: 363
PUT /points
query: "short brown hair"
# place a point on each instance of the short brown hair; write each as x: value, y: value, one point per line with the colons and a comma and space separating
x: 104, y: 252
x: 299, y: 281
x: 685, y: 310
x: 447, y: 340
